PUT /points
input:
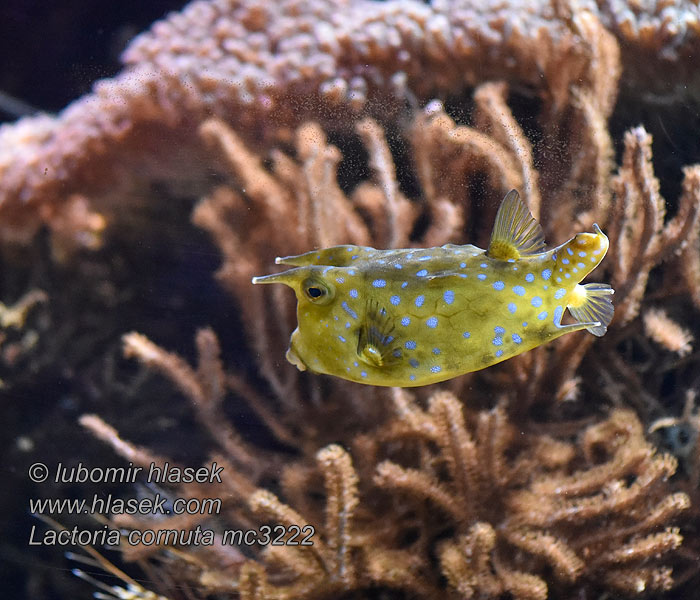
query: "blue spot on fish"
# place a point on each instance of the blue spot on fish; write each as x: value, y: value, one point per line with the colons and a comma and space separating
x: 516, y: 338
x: 542, y: 316
x: 483, y: 265
x: 557, y: 315
x: 436, y: 351
x: 410, y: 345
x: 353, y: 293
x: 498, y: 285
x: 432, y: 322
x: 560, y: 293
x: 546, y: 274
x: 419, y: 300
x: 340, y: 279
x: 466, y: 335
x: 449, y: 296
x: 422, y: 273
x: 497, y: 341
x: 435, y: 369
x: 536, y: 302
x: 519, y: 290
x: 529, y: 278
x: 499, y: 353
x: 395, y: 300
x: 512, y: 308
x: 379, y: 283
x: 404, y: 285
x: 398, y: 266
x: 499, y: 330
x: 414, y: 363
x: 342, y: 339
x: 462, y: 265
x: 406, y: 321
x: 349, y: 310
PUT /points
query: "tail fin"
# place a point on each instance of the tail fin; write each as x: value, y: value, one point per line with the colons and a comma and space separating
x: 592, y: 303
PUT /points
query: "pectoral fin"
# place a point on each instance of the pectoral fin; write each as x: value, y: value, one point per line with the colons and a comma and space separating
x: 375, y: 344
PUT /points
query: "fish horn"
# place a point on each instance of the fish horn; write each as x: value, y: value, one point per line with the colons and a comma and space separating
x: 298, y: 260
x: 287, y: 277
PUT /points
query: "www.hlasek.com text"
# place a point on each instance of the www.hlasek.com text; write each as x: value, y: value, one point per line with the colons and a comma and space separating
x: 109, y: 504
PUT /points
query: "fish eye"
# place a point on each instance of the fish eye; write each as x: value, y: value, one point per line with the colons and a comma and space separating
x: 317, y: 291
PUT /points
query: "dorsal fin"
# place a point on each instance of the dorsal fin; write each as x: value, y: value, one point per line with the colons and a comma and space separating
x: 515, y: 232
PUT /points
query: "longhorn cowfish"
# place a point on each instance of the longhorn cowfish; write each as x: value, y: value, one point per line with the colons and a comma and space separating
x: 410, y: 317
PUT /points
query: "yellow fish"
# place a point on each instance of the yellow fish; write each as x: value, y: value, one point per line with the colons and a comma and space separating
x: 412, y: 317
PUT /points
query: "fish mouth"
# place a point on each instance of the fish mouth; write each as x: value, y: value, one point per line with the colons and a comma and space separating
x: 293, y: 357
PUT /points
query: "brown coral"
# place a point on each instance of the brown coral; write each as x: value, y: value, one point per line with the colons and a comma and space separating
x: 509, y: 507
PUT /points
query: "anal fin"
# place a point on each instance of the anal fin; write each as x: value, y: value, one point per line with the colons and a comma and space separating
x: 592, y: 304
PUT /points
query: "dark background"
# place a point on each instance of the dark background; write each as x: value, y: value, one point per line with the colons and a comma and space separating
x: 52, y: 51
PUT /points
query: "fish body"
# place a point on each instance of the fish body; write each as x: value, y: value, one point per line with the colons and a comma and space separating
x: 410, y: 317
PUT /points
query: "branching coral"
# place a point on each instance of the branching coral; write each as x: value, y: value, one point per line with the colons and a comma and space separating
x: 552, y: 518
x: 510, y: 508
x: 12, y: 320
